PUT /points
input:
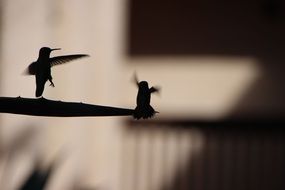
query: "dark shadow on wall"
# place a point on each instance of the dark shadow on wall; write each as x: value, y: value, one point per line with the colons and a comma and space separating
x: 234, y: 155
x: 203, y: 28
x: 265, y: 97
x: 235, y: 159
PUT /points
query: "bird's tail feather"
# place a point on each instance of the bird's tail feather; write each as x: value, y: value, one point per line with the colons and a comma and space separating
x: 144, y: 112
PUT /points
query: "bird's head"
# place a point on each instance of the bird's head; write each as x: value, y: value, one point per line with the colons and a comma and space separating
x: 47, y: 50
x: 143, y: 85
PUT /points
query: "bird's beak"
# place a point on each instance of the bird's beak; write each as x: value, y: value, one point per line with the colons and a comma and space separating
x: 55, y: 49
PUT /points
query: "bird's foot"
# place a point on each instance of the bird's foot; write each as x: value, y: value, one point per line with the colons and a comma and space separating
x: 41, y: 98
x: 51, y: 84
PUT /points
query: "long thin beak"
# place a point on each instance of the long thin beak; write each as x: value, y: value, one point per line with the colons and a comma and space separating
x: 55, y: 49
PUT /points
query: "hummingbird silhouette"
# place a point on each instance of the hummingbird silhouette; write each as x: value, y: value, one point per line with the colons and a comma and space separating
x: 42, y: 67
x: 143, y: 108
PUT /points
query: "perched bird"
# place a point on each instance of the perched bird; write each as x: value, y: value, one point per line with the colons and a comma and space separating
x: 144, y: 109
x: 42, y: 67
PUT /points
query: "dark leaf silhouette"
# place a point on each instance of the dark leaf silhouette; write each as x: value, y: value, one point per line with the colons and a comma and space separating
x: 39, y: 177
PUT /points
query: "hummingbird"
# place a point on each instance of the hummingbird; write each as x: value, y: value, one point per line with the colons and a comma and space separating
x: 42, y: 67
x: 143, y: 108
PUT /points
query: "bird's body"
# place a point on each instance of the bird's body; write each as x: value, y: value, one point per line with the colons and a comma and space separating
x: 144, y: 109
x: 43, y: 71
x: 143, y: 97
x: 42, y: 67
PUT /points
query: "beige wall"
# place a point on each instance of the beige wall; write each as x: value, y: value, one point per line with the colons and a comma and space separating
x: 91, y: 27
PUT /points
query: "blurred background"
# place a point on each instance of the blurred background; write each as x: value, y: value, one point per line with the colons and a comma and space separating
x: 220, y: 68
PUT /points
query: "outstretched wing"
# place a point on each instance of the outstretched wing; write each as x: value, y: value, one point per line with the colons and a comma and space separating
x: 31, y: 69
x: 154, y: 89
x: 65, y: 58
x: 136, y: 80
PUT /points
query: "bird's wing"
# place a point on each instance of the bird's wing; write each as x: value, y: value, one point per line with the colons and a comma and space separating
x: 31, y: 69
x: 65, y: 58
x: 136, y: 80
x: 154, y: 89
